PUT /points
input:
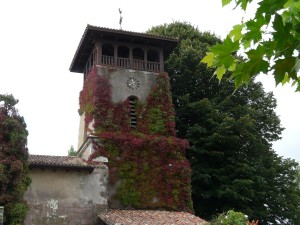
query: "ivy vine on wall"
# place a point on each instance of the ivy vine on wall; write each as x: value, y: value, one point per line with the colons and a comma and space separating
x: 147, y: 163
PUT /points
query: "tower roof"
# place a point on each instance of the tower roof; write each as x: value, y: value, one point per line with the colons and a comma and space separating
x: 93, y: 33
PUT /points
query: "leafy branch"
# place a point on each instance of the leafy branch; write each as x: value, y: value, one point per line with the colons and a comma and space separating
x: 270, y: 41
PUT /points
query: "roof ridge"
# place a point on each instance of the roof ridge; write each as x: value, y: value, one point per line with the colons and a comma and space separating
x: 132, y: 32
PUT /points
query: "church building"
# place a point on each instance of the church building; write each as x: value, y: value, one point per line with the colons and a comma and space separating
x: 130, y: 167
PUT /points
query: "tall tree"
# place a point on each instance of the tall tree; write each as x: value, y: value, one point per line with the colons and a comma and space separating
x: 14, y: 178
x: 230, y: 134
x: 270, y: 41
x: 71, y: 151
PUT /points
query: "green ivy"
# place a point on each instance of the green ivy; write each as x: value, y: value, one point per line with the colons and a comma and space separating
x: 18, y: 213
x: 156, y: 121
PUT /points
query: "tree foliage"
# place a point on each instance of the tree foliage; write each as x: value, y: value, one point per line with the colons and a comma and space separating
x: 233, y: 165
x: 71, y: 151
x: 230, y: 218
x: 270, y: 40
x: 14, y: 178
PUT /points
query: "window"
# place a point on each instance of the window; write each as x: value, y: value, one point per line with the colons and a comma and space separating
x: 133, y: 119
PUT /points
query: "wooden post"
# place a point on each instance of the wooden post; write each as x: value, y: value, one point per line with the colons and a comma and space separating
x: 99, y: 52
x: 115, y: 55
x: 130, y: 57
x: 161, y: 60
x: 145, y: 59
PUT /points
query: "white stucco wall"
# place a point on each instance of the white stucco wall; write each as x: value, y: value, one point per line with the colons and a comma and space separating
x: 118, y: 80
x: 56, y: 194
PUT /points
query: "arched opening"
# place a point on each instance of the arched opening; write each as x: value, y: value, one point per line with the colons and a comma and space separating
x: 123, y: 57
x: 107, y: 54
x: 152, y: 60
x: 133, y: 118
x: 123, y: 52
x: 108, y: 50
x: 138, y: 59
x: 152, y: 56
x: 138, y: 53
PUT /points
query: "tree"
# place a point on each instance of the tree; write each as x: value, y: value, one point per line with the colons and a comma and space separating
x: 14, y: 178
x: 230, y: 134
x: 229, y: 218
x: 270, y: 41
x: 72, y: 151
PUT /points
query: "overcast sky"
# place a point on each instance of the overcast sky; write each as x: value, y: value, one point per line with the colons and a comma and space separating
x: 38, y: 40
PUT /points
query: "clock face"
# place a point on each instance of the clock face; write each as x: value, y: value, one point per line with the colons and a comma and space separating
x: 132, y: 83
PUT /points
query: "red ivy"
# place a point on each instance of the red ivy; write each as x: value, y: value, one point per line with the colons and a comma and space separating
x: 151, y: 164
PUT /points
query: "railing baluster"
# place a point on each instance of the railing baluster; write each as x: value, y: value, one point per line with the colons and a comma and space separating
x: 125, y: 63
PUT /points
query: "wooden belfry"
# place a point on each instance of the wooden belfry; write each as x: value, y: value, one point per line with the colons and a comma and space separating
x: 138, y: 57
x: 122, y: 49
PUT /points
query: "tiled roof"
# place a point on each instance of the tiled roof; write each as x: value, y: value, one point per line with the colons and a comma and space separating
x: 132, y: 33
x: 149, y: 217
x: 59, y: 162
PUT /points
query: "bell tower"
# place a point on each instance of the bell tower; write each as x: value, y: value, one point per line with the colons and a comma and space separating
x: 127, y: 118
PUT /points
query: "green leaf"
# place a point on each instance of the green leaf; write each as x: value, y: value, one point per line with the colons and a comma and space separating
x: 283, y: 67
x: 286, y: 79
x: 269, y: 48
x: 236, y: 32
x: 232, y: 67
x: 286, y: 16
x: 246, y: 44
x: 208, y: 59
x: 240, y: 79
x: 253, y: 28
x: 293, y: 7
x: 256, y: 62
x: 223, y: 52
x: 220, y: 72
x: 297, y: 65
x: 282, y: 34
x: 225, y: 2
x: 270, y: 6
x: 243, y: 3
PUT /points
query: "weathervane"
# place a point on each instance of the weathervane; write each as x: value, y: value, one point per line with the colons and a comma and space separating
x: 121, y: 18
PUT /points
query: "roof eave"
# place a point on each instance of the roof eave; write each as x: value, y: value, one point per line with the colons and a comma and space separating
x: 68, y: 167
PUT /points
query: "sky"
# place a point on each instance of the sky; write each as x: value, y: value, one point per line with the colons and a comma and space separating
x: 38, y: 40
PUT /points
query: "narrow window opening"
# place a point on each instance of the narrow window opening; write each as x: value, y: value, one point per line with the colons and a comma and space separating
x: 133, y: 118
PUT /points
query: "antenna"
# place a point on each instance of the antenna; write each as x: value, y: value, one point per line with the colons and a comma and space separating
x: 121, y: 18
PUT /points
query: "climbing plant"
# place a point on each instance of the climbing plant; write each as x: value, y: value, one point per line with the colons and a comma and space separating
x: 14, y: 178
x: 148, y: 160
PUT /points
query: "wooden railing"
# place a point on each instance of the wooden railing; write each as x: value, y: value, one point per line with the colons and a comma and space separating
x: 123, y: 62
x: 126, y: 63
x: 108, y: 60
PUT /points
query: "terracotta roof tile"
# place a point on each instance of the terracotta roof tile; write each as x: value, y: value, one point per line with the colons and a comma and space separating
x: 149, y: 217
x: 141, y: 34
x: 59, y: 161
